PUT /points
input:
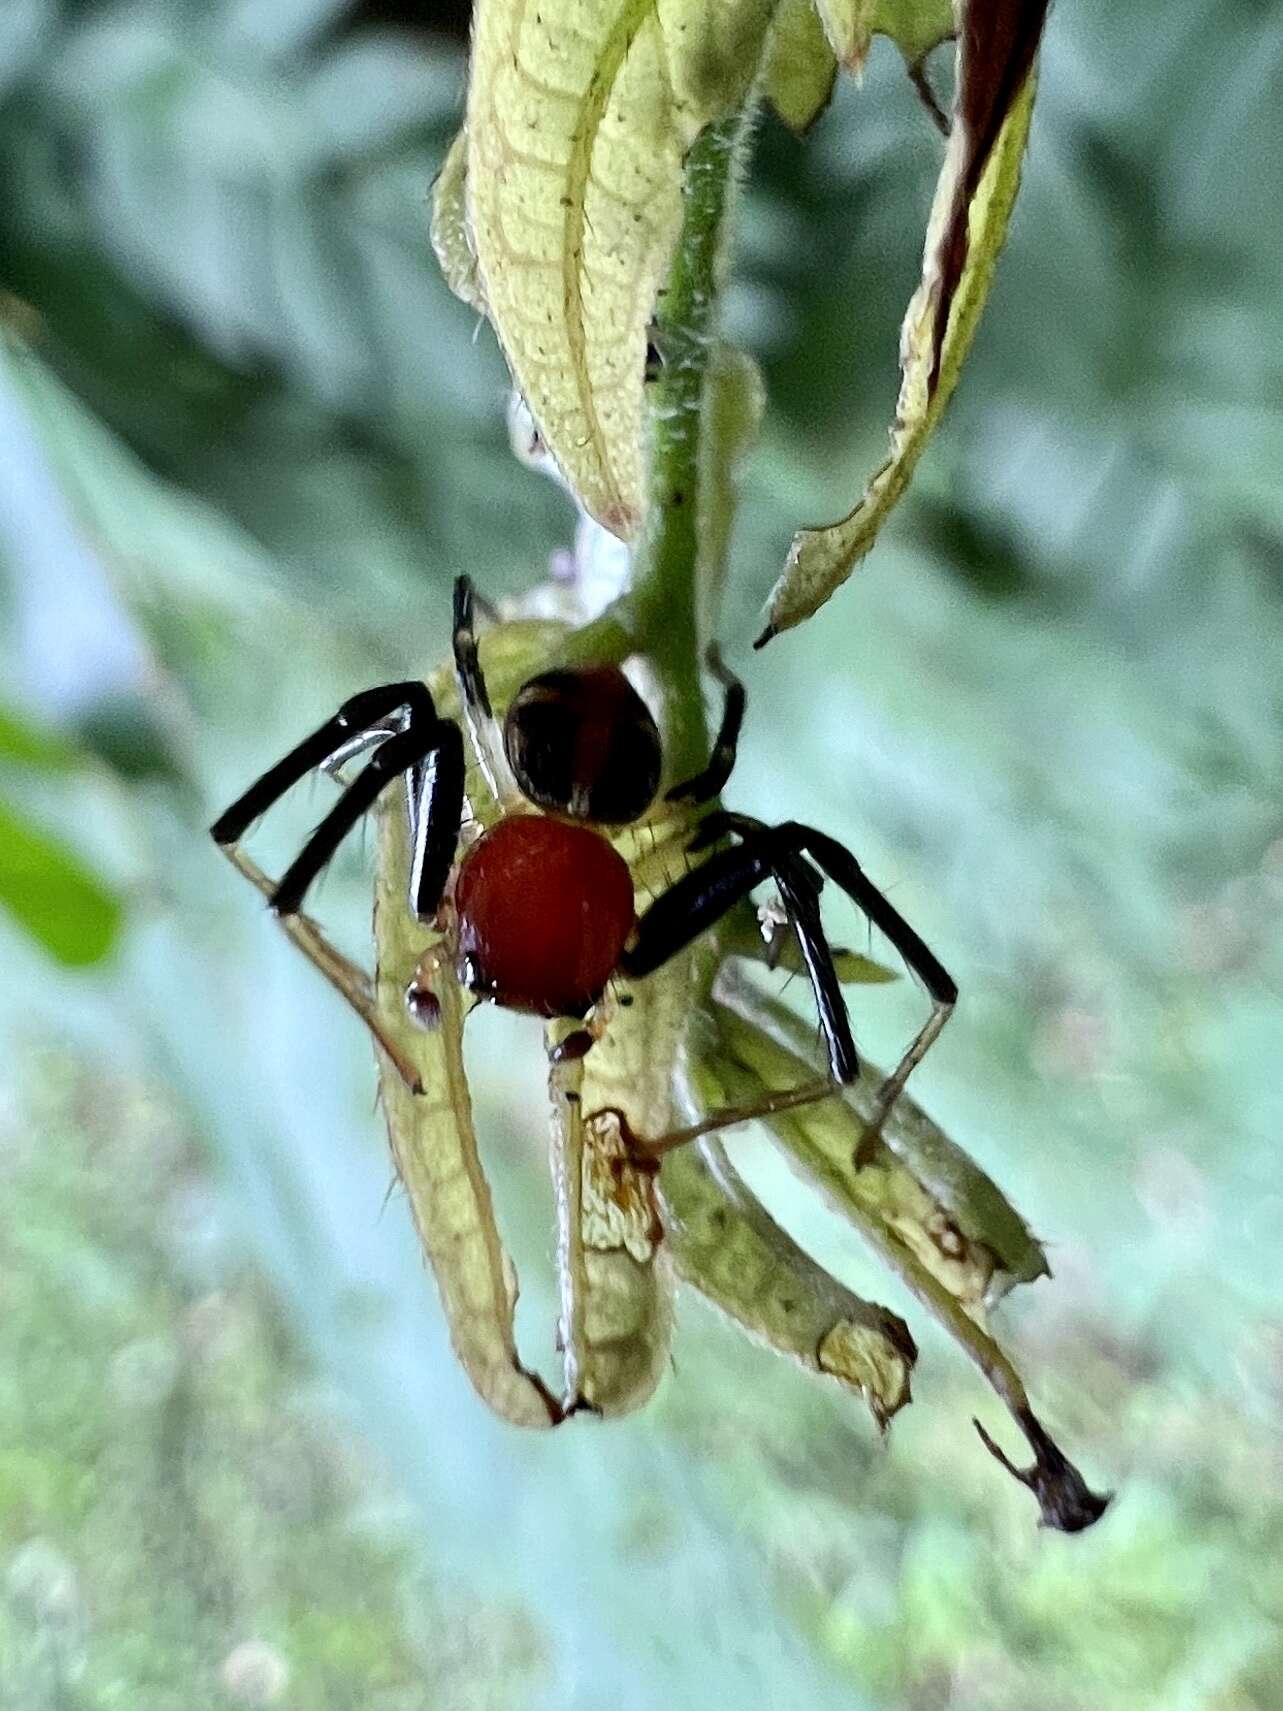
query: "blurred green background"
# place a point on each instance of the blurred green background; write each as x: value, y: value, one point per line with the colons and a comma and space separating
x: 246, y: 441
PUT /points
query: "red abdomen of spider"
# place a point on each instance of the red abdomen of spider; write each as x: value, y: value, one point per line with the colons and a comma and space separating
x: 544, y: 909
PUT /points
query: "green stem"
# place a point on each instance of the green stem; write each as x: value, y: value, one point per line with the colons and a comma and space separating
x: 659, y: 615
x: 665, y: 594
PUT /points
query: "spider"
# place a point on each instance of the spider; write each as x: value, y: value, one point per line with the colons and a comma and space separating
x: 519, y: 894
x: 542, y: 902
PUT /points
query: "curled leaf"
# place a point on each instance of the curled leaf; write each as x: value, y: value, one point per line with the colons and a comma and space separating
x: 617, y: 1284
x: 996, y: 52
x: 884, y: 1198
x: 958, y: 1188
x: 974, y: 198
x: 821, y: 1140
x: 726, y: 1244
x: 1066, y: 1500
x: 434, y: 1145
x: 616, y: 1287
x: 915, y: 26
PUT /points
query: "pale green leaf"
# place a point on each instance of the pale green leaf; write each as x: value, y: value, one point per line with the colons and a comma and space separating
x: 726, y: 1244
x: 434, y: 1145
x: 954, y: 1182
x: 916, y: 26
x: 924, y: 1246
x: 579, y: 116
x: 883, y: 1197
x: 801, y: 67
x: 450, y: 237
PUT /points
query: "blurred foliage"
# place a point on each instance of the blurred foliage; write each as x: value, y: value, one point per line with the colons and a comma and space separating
x: 42, y: 884
x: 54, y: 895
x: 246, y: 439
x: 190, y: 1516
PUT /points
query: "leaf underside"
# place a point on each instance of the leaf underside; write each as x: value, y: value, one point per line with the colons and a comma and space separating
x: 974, y: 197
x: 578, y: 120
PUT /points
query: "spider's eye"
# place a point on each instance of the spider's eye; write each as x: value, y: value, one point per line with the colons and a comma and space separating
x: 583, y: 743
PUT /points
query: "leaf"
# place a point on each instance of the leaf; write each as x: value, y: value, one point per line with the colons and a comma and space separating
x: 24, y: 745
x: 620, y: 1318
x: 801, y: 67
x: 450, y: 237
x: 615, y: 1329
x: 726, y: 1244
x: 995, y: 61
x: 812, y: 38
x: 884, y: 1197
x: 51, y: 894
x: 953, y: 1180
x: 916, y: 26
x: 734, y: 402
x: 434, y: 1144
x: 969, y: 217
x: 821, y: 1139
x: 579, y: 115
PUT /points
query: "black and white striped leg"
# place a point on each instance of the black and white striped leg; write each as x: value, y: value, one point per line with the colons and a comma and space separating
x: 403, y: 753
x: 354, y: 718
x: 700, y: 898
x: 474, y: 696
x: 843, y: 869
x: 435, y: 794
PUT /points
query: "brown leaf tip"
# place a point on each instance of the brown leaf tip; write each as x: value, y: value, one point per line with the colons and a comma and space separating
x: 1064, y: 1497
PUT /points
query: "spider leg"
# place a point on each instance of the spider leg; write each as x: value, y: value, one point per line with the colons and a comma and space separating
x: 693, y: 904
x: 478, y: 714
x: 799, y: 888
x: 781, y: 852
x: 434, y: 791
x: 353, y: 717
x: 697, y: 902
x: 763, y: 851
x: 786, y: 1099
x: 361, y: 744
x: 843, y: 869
x: 399, y: 754
x: 467, y: 661
x: 710, y: 783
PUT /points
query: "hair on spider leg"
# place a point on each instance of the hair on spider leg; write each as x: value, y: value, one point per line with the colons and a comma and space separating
x: 394, y: 1186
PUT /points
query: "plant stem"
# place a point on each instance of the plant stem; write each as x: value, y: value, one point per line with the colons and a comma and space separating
x: 659, y: 615
x: 665, y: 593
